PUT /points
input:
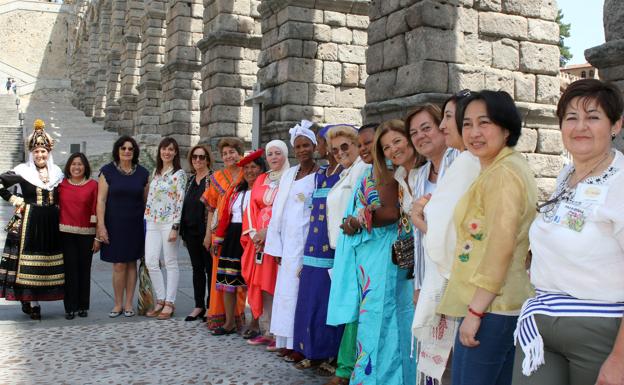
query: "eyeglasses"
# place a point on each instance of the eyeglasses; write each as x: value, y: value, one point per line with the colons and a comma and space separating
x: 198, y: 157
x: 127, y: 148
x: 343, y: 147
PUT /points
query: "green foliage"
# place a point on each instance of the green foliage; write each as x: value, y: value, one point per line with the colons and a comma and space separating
x: 564, y: 31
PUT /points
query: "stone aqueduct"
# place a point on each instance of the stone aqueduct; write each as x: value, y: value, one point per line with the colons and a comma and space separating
x: 203, y: 70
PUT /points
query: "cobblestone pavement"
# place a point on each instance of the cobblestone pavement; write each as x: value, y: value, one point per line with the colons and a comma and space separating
x: 135, y: 350
x: 145, y: 352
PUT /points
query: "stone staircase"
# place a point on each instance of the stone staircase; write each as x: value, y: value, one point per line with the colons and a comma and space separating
x: 11, y: 136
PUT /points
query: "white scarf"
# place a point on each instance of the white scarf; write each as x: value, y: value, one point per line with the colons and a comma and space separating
x: 273, y: 243
x: 29, y: 172
x: 283, y: 148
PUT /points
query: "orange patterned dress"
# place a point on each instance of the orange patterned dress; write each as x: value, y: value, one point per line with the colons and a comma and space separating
x: 220, y: 182
x: 259, y: 277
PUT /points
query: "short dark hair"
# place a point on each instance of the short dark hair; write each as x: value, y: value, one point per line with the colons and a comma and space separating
x: 606, y: 94
x: 457, y: 98
x: 243, y: 185
x: 85, y: 162
x: 235, y: 143
x: 369, y: 126
x: 166, y: 142
x: 501, y: 110
x: 135, y: 148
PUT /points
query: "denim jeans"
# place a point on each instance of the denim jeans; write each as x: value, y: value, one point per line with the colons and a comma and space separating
x: 490, y: 363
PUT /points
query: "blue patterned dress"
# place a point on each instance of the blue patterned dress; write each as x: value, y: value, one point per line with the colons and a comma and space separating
x: 313, y: 337
x: 368, y: 288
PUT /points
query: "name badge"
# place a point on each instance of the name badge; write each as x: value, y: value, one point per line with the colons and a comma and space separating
x: 571, y: 216
x: 591, y: 193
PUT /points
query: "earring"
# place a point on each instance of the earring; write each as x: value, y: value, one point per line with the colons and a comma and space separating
x: 613, y: 135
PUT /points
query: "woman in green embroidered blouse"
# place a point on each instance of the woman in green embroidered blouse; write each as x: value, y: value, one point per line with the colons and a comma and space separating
x: 488, y: 281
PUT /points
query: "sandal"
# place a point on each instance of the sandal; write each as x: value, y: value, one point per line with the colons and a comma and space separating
x: 326, y: 369
x: 128, y: 313
x: 221, y: 331
x: 115, y: 314
x: 156, y: 310
x: 307, y: 364
x: 294, y: 357
x: 338, y: 381
x: 250, y: 333
x: 283, y: 352
x: 168, y: 315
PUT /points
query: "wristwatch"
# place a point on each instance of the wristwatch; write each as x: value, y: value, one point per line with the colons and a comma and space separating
x: 175, y: 226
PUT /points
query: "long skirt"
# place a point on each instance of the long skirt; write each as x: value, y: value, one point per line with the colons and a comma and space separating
x: 31, y: 268
x: 229, y: 275
x: 313, y: 337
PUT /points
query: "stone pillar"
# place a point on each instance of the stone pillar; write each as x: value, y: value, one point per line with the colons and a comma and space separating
x: 230, y: 50
x: 312, y: 62
x: 130, y: 63
x: 92, y: 66
x: 104, y: 64
x: 113, y: 69
x: 181, y: 81
x: 424, y: 52
x: 608, y: 58
x: 152, y: 59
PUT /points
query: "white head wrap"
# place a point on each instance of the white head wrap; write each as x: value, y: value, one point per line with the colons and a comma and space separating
x: 283, y: 147
x: 302, y: 129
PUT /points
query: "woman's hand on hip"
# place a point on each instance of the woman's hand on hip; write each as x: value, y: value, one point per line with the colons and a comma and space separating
x: 468, y: 330
x: 612, y: 371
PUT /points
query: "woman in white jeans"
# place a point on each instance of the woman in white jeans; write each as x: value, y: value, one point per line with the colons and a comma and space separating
x: 162, y: 216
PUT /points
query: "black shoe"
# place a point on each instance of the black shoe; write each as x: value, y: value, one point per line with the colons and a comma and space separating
x: 35, y: 313
x: 195, y: 318
x: 26, y: 308
x: 69, y: 315
x: 82, y: 313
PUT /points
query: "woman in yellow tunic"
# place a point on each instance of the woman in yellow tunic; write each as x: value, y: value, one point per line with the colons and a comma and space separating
x: 488, y: 282
x: 231, y: 150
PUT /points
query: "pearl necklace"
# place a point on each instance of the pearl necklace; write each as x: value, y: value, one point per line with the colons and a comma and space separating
x: 84, y: 180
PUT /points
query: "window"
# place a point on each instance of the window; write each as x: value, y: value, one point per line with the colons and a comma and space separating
x: 591, y: 74
x: 583, y: 74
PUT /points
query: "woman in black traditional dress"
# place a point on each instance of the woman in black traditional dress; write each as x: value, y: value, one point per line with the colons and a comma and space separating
x: 31, y: 268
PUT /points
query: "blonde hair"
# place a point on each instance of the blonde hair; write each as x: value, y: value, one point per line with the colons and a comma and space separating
x: 343, y: 130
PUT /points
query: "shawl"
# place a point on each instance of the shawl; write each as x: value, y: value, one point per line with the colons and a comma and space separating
x: 29, y: 172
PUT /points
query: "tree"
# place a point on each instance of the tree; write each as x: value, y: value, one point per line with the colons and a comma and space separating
x: 564, y: 31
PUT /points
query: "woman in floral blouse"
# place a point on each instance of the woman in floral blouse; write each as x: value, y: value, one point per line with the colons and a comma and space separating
x: 162, y: 216
x: 488, y: 281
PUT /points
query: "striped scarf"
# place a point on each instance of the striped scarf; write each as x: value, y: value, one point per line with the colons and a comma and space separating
x: 554, y: 305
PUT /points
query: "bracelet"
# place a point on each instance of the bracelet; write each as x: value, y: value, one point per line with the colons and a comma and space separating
x: 475, y: 313
x: 97, y: 240
x: 175, y: 227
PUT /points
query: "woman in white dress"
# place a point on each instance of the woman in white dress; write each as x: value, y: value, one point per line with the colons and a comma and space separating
x: 287, y: 232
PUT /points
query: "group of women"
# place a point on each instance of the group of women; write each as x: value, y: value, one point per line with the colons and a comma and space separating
x: 417, y: 253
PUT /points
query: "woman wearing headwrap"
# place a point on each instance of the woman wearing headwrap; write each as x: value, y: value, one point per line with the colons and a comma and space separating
x: 31, y: 268
x: 286, y: 234
x: 260, y: 269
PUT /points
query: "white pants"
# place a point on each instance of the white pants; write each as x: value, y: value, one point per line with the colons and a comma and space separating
x: 155, y: 241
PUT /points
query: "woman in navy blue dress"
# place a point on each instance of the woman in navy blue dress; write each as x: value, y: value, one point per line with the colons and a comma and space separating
x: 122, y: 190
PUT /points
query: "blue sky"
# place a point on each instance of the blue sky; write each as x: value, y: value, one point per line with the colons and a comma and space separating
x: 586, y: 31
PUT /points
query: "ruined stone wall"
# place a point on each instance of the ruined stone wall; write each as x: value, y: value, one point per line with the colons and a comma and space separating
x: 312, y: 63
x: 423, y: 50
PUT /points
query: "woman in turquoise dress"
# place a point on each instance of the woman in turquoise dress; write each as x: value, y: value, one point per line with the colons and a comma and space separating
x: 368, y: 288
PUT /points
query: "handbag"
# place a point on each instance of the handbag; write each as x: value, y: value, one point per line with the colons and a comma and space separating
x: 403, y: 247
x: 15, y: 223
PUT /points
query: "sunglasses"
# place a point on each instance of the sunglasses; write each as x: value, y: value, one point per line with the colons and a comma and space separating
x: 198, y: 157
x: 463, y: 93
x: 127, y: 148
x: 343, y: 147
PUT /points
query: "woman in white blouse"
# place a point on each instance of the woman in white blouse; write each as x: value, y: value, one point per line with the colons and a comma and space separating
x: 571, y: 332
x: 163, y: 211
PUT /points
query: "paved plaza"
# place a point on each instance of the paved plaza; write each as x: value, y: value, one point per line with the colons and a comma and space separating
x: 136, y: 350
